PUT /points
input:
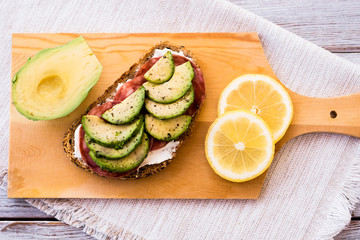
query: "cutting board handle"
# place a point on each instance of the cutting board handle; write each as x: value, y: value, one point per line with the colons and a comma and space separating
x: 336, y: 115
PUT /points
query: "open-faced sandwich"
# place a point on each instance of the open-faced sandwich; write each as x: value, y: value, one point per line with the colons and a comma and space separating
x: 135, y: 128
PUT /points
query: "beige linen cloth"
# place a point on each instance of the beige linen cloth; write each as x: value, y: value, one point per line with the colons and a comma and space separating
x: 314, y: 181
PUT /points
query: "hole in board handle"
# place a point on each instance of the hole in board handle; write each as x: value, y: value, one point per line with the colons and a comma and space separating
x: 333, y: 114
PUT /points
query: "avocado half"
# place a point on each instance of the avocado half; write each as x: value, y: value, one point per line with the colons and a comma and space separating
x: 55, y: 81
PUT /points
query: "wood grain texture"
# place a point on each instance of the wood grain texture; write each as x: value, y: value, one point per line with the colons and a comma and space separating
x: 188, y: 176
x: 333, y: 25
x: 351, y: 232
x: 357, y: 211
x: 18, y: 208
x: 179, y: 180
x: 58, y: 230
x: 337, y: 115
x: 40, y: 230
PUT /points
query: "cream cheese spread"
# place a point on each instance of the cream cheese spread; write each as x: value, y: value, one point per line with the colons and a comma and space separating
x: 161, y: 155
x: 161, y: 52
x: 77, y: 152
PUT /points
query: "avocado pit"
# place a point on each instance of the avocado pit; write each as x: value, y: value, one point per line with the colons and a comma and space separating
x: 51, y: 87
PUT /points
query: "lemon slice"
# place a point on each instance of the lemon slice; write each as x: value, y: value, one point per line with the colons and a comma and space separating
x: 239, y: 146
x: 262, y: 95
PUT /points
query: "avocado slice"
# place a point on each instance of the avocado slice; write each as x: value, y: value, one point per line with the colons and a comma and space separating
x: 131, y: 161
x: 127, y: 110
x: 162, y: 70
x: 173, y: 89
x: 170, y: 110
x: 112, y: 153
x: 166, y: 130
x: 107, y: 134
x: 55, y: 81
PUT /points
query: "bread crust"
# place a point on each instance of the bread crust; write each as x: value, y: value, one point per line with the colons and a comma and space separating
x: 147, y: 170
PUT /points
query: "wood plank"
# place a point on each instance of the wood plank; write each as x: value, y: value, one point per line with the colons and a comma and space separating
x: 357, y: 211
x: 352, y: 232
x: 58, y: 230
x: 18, y: 208
x: 330, y: 24
x: 40, y: 230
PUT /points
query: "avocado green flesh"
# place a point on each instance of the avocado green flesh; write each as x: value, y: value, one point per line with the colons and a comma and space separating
x: 162, y: 70
x: 127, y: 110
x: 167, y: 130
x: 55, y: 81
x: 112, y: 153
x: 170, y: 110
x: 131, y: 161
x: 107, y: 134
x: 173, y: 89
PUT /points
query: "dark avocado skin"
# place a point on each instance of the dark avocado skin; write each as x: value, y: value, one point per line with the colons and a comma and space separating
x: 131, y: 161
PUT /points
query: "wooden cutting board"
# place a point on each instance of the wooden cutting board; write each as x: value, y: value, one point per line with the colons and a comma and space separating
x: 38, y: 167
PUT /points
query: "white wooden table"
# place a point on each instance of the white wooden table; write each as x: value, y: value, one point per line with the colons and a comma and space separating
x: 333, y: 25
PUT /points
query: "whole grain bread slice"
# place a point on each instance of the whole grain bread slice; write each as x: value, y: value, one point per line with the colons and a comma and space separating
x: 147, y: 170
